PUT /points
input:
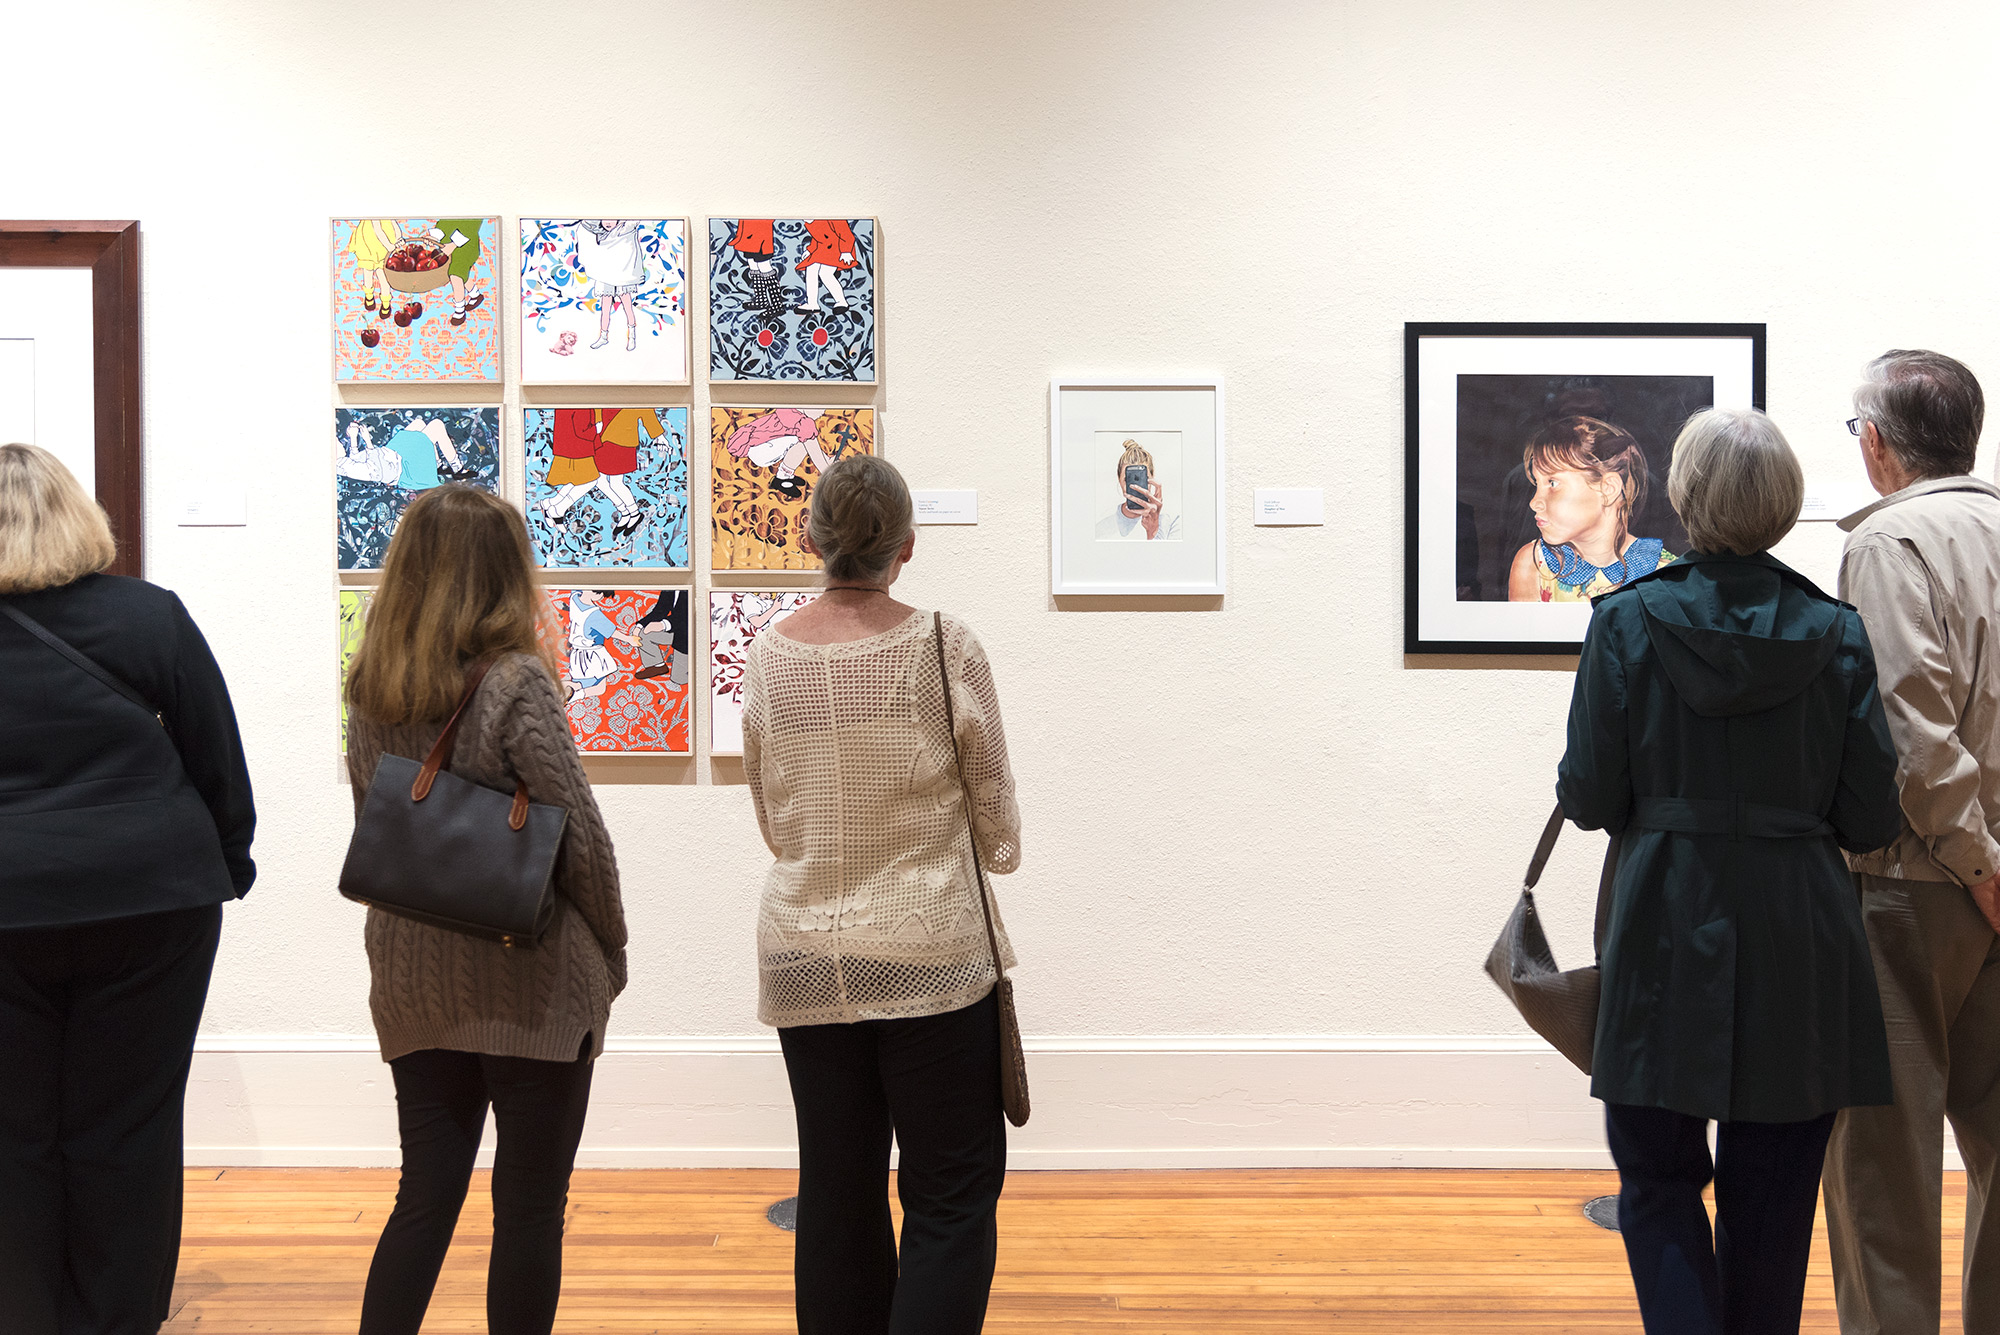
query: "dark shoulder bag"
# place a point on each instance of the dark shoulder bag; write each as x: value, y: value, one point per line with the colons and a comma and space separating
x: 1558, y: 1004
x: 1013, y: 1061
x: 442, y: 850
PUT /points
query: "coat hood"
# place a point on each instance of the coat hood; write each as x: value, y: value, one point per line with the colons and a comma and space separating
x: 1736, y: 634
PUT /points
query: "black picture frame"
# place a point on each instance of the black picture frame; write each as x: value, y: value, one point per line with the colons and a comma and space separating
x: 1414, y: 336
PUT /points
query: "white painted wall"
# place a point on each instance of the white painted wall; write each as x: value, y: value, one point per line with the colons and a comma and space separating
x: 1241, y: 823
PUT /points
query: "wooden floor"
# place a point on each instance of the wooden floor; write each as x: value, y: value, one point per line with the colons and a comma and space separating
x: 1225, y: 1253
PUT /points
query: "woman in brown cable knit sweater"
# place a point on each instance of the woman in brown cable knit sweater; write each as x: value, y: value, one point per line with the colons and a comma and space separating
x: 465, y: 1022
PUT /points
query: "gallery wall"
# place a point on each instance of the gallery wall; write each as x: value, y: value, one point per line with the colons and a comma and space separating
x: 1265, y: 852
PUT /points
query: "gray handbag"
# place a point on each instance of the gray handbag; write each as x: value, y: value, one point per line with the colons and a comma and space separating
x: 1558, y: 1004
x: 442, y: 850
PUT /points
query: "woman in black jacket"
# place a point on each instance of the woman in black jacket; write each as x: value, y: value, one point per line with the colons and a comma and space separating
x: 1727, y: 724
x: 124, y: 828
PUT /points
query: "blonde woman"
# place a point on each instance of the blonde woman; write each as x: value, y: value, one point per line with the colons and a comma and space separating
x: 120, y: 840
x: 874, y: 961
x: 466, y: 1023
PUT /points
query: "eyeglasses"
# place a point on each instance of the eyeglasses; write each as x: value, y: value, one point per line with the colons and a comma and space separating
x: 1853, y: 426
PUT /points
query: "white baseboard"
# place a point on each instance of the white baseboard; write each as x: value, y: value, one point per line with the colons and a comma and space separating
x: 1153, y: 1102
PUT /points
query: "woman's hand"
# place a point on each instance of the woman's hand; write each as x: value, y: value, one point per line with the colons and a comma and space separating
x: 1986, y: 895
x: 1147, y: 512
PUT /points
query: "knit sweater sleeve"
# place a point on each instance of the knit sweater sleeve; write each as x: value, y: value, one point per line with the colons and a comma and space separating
x: 753, y: 744
x: 996, y: 816
x: 536, y: 740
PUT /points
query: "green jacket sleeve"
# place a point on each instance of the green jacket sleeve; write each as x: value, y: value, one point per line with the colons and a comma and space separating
x: 1866, y: 814
x: 1594, y: 781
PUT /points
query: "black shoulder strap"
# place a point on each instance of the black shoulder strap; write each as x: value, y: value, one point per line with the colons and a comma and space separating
x: 81, y: 659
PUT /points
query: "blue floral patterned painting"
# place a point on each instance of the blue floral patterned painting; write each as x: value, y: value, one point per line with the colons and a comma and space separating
x: 385, y: 456
x: 604, y: 301
x: 791, y: 299
x: 607, y: 488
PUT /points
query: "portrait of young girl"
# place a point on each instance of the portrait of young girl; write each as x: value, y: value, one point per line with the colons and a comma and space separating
x: 1590, y: 479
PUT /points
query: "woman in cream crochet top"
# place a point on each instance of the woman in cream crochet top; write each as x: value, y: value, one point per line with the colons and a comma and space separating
x: 873, y: 958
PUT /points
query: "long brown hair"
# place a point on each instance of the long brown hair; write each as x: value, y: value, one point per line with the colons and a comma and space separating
x: 1595, y: 448
x: 458, y: 585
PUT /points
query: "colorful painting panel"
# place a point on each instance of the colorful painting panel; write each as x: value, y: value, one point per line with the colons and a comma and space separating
x: 607, y: 488
x: 385, y: 456
x: 604, y: 301
x: 763, y: 463
x: 353, y: 616
x: 735, y: 619
x: 416, y: 300
x: 792, y: 299
x: 625, y: 664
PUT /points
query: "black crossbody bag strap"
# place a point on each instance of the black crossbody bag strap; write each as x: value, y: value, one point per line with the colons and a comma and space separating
x: 1607, y: 879
x: 81, y: 659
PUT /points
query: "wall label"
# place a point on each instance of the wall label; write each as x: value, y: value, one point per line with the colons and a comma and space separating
x: 946, y: 507
x: 1290, y: 505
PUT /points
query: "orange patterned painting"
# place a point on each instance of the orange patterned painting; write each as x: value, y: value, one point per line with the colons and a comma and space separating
x: 626, y: 668
x: 764, y: 462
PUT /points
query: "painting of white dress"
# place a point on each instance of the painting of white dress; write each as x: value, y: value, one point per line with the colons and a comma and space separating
x: 604, y: 301
x: 735, y: 619
x: 1139, y: 486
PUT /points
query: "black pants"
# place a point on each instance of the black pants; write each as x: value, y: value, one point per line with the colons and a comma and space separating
x: 97, y: 1026
x: 441, y: 1102
x: 934, y: 1083
x: 1749, y: 1276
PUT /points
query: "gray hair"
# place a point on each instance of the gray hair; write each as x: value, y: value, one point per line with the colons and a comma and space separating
x: 1734, y: 481
x: 1928, y: 409
x: 861, y: 516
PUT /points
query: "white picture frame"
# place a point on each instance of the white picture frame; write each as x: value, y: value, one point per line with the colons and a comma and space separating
x: 1172, y: 427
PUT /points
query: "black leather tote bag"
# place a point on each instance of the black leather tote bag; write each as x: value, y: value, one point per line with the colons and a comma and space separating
x: 442, y: 850
x: 1559, y: 1004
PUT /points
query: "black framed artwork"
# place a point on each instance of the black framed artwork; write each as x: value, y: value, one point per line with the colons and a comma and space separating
x: 1535, y: 469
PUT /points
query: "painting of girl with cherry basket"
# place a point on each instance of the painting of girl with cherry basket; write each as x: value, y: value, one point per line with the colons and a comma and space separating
x: 410, y: 300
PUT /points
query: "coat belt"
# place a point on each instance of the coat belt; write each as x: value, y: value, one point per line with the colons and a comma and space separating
x: 1730, y: 816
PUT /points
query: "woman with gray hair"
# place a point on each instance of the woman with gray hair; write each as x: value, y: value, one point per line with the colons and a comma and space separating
x: 874, y: 960
x: 1726, y: 727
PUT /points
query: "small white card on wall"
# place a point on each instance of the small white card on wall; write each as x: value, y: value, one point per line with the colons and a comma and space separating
x: 1826, y: 504
x: 214, y: 509
x: 1290, y: 505
x: 946, y: 507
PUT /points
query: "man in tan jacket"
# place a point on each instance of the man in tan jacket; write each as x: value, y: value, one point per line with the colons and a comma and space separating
x: 1923, y: 567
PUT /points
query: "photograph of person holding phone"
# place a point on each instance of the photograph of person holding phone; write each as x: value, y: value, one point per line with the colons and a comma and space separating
x: 1142, y: 511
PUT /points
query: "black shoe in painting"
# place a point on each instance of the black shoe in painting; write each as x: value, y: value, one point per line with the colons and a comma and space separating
x: 788, y: 487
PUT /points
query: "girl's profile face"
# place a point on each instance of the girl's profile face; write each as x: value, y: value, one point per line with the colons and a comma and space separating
x: 1567, y: 505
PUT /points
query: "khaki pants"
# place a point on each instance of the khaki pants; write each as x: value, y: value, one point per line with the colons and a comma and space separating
x: 1938, y: 966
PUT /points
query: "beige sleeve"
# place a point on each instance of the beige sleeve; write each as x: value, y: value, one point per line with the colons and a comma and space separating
x: 536, y: 740
x: 982, y: 743
x: 1938, y: 777
x: 755, y: 721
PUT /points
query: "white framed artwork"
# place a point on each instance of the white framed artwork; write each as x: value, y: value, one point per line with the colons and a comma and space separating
x: 47, y: 371
x: 1136, y: 487
x: 604, y: 301
x: 736, y: 617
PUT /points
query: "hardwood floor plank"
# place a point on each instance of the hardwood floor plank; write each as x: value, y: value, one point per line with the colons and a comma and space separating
x: 1254, y: 1252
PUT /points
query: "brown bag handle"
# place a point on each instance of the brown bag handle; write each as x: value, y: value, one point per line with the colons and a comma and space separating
x: 958, y: 761
x: 1606, y: 878
x: 440, y: 756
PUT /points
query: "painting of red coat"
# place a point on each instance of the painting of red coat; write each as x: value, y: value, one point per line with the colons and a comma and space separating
x: 793, y: 299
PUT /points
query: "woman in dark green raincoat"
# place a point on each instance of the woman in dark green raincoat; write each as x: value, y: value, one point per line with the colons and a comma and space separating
x: 1726, y: 724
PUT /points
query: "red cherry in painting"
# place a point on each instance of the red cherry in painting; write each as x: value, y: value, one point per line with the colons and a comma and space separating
x: 819, y: 338
x: 765, y: 338
x: 403, y: 319
x: 370, y: 336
